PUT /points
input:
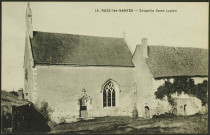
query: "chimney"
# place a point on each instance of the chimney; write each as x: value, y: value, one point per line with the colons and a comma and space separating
x: 144, y: 43
x: 20, y: 94
x: 28, y: 18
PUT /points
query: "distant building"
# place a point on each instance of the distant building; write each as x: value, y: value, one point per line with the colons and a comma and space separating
x: 10, y: 110
x: 20, y: 116
x: 90, y: 76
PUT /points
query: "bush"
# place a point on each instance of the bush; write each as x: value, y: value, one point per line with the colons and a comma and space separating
x: 183, y: 84
x: 63, y: 120
x: 165, y: 115
x: 14, y: 93
x: 135, y: 112
x: 45, y: 110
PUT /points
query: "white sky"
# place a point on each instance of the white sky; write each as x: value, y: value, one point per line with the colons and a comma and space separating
x: 186, y: 28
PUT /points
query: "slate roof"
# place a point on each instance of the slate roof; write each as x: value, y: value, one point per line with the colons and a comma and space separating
x: 57, y: 48
x: 10, y: 99
x: 70, y: 49
x: 165, y: 61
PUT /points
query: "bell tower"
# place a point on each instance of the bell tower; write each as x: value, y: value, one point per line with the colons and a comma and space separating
x: 28, y: 17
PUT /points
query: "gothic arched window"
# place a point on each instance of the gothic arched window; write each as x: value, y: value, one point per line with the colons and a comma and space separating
x: 109, y: 95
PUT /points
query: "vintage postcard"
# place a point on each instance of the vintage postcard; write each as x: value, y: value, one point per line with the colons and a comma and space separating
x: 105, y: 67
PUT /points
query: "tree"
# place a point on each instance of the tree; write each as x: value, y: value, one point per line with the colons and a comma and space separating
x: 183, y: 84
x: 166, y: 90
x: 46, y: 110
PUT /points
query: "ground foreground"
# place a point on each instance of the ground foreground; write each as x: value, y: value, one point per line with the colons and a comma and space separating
x: 197, y: 124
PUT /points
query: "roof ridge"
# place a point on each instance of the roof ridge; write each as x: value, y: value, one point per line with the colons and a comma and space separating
x: 176, y: 47
x: 79, y: 35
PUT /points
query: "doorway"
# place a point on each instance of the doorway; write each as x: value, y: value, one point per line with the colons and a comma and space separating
x: 185, y: 109
x: 147, y: 112
x: 83, y: 107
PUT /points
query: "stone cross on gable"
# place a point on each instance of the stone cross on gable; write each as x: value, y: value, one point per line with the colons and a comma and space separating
x: 28, y: 4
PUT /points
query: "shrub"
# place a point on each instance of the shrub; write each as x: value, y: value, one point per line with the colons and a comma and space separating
x: 135, y: 112
x: 45, y: 110
x: 14, y: 93
x: 165, y: 115
x: 63, y: 120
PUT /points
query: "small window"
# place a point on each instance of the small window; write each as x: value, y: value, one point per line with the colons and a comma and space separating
x: 26, y: 74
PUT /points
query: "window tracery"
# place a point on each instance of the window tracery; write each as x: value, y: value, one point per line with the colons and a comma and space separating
x: 109, y: 95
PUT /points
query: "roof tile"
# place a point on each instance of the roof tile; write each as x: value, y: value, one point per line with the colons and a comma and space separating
x: 57, y: 48
x: 166, y: 61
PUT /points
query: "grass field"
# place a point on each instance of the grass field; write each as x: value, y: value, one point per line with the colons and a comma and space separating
x: 197, y: 124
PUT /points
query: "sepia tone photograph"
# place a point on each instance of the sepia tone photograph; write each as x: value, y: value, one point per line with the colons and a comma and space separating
x: 104, y: 67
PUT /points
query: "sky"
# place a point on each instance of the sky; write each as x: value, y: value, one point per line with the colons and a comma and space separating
x: 188, y: 27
